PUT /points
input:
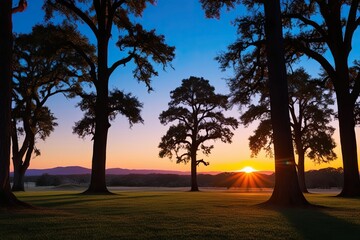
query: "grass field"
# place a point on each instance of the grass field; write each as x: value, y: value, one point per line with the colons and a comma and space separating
x: 155, y: 214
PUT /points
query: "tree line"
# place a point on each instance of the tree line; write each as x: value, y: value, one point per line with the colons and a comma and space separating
x: 293, y: 108
x: 325, y: 178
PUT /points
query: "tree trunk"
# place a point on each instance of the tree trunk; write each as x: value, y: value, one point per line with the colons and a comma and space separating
x: 286, y: 191
x: 98, y: 178
x: 98, y: 169
x: 194, y: 184
x: 301, y: 171
x: 348, y: 144
x: 7, y: 198
x: 21, y: 166
x: 18, y: 179
x: 340, y: 50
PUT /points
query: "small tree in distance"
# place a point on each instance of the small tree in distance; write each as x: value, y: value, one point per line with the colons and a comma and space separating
x: 197, y: 112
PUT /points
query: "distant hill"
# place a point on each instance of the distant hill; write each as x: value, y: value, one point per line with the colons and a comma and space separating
x: 72, y: 170
x: 322, y: 178
x: 123, y: 171
x: 76, y: 170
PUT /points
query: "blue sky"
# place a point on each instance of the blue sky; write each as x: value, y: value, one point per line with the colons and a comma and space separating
x: 198, y: 41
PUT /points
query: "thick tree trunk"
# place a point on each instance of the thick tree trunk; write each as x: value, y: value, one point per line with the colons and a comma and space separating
x: 18, y: 179
x: 19, y: 175
x: 98, y: 169
x: 194, y: 184
x: 98, y: 178
x: 348, y: 145
x: 7, y: 198
x: 301, y: 171
x: 21, y: 157
x: 286, y: 191
x: 340, y: 50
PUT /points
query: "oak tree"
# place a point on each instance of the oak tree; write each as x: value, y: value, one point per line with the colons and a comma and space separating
x: 106, y: 20
x: 44, y: 66
x: 313, y: 28
x: 310, y: 116
x: 287, y: 190
x: 330, y: 26
x: 197, y: 113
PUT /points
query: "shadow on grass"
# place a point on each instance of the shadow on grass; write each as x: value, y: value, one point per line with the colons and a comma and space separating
x: 143, y: 196
x: 59, y: 200
x: 317, y: 224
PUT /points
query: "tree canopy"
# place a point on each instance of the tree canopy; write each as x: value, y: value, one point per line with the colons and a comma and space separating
x: 43, y: 67
x: 137, y: 45
x: 197, y: 112
x: 119, y: 103
x: 311, y: 29
x: 310, y: 114
x: 272, y: 49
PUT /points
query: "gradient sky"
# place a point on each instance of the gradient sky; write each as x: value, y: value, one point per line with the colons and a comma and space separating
x: 198, y: 41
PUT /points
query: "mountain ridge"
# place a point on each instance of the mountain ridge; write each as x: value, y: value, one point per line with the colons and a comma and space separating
x: 77, y: 170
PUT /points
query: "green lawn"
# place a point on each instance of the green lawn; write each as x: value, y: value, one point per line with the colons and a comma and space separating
x: 177, y: 215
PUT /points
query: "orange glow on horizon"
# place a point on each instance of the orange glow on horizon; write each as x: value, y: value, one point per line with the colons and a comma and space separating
x: 248, y: 169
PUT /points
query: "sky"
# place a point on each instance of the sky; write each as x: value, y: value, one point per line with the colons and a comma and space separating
x: 198, y: 41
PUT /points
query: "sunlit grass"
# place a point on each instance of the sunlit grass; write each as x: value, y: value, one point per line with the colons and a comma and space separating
x: 177, y: 215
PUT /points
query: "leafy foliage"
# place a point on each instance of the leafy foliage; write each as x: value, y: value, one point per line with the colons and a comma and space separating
x: 119, y: 102
x: 134, y: 42
x: 143, y: 48
x: 310, y: 114
x: 197, y: 112
x: 212, y: 7
x: 310, y: 29
x: 43, y: 67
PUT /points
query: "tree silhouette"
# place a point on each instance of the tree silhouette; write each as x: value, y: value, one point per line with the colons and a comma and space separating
x: 119, y: 103
x: 43, y: 67
x: 136, y: 44
x: 325, y: 26
x: 197, y: 112
x: 310, y: 116
x: 287, y: 190
x: 313, y: 28
x: 7, y: 198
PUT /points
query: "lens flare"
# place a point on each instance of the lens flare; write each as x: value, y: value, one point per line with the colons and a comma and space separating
x: 247, y: 169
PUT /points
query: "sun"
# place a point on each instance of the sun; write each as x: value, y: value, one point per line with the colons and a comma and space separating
x: 247, y: 169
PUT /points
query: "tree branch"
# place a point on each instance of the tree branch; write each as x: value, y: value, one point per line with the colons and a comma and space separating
x: 356, y: 89
x: 87, y: 59
x: 21, y: 7
x: 352, y: 25
x: 113, y: 8
x: 71, y: 6
x: 121, y: 62
x: 306, y: 21
x: 53, y: 93
x: 318, y: 57
x: 203, y: 162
